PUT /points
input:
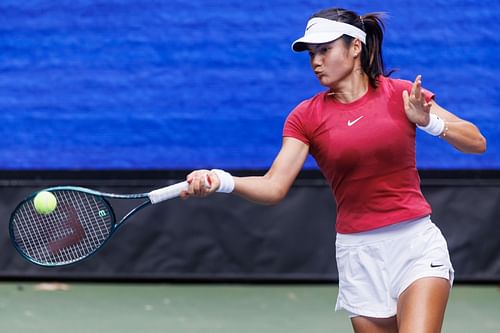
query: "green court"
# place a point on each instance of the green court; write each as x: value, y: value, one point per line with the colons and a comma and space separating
x: 107, y: 307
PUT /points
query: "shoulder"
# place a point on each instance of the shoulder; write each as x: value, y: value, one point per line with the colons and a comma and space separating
x: 301, y: 122
x: 393, y: 85
x: 397, y: 86
x: 310, y: 109
x: 310, y: 104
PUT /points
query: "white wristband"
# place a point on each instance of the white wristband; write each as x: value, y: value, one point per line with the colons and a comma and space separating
x: 226, y: 181
x: 435, y: 126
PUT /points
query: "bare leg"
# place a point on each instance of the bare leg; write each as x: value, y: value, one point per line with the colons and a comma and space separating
x: 422, y: 305
x: 362, y: 324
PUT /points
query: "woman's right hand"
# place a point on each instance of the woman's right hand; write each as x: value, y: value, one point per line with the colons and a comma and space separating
x: 201, y: 184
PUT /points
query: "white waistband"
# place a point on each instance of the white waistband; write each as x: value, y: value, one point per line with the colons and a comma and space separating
x: 395, y: 230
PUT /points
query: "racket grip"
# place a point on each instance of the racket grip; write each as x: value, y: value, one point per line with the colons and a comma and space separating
x: 168, y: 192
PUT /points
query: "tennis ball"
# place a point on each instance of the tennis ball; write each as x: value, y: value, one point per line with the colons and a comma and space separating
x: 45, y: 202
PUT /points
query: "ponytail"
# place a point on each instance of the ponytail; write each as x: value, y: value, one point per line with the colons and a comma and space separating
x: 372, y: 62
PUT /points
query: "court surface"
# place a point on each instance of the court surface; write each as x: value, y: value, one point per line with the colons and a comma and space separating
x: 107, y: 307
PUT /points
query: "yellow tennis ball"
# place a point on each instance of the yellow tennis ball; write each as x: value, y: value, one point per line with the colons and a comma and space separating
x: 45, y: 202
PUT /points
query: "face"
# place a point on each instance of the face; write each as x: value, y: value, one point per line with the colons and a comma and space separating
x: 332, y: 62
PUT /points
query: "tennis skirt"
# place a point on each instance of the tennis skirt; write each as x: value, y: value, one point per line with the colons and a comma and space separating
x: 376, y: 266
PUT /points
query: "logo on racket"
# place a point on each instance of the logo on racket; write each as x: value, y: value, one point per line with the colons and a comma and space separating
x: 71, y: 233
x: 102, y: 213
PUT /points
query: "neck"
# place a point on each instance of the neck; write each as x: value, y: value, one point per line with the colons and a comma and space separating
x: 351, y: 88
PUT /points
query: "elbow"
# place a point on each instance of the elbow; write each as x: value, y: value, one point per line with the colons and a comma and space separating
x: 480, y: 145
x: 271, y: 202
x: 477, y: 143
x: 276, y: 197
x: 276, y: 194
x: 482, y: 149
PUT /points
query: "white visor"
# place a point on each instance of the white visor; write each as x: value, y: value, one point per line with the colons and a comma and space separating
x: 320, y: 30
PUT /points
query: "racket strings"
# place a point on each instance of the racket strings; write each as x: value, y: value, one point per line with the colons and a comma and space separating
x: 80, y: 224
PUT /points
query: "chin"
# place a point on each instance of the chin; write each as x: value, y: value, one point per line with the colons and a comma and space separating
x: 325, y: 83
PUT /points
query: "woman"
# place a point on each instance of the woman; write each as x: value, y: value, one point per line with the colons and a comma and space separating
x: 394, y: 268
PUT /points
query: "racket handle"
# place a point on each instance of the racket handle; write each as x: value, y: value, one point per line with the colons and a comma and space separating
x: 169, y: 192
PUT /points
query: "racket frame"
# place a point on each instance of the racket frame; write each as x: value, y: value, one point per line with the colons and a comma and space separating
x: 102, y: 196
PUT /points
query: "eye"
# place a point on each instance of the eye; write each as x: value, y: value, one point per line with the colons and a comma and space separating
x: 324, y: 49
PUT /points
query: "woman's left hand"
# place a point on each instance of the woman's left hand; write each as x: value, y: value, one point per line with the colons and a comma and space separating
x: 416, y: 108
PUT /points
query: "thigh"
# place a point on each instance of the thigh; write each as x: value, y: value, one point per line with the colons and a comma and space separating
x: 422, y: 305
x: 363, y: 324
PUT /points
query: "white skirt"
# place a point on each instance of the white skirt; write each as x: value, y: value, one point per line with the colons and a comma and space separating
x: 376, y: 266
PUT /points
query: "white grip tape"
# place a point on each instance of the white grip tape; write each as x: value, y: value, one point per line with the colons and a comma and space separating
x: 168, y: 192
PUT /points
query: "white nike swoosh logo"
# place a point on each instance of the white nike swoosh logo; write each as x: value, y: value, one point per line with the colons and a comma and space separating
x: 350, y: 123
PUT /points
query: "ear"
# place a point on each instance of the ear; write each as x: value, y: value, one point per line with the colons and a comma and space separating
x: 356, y: 47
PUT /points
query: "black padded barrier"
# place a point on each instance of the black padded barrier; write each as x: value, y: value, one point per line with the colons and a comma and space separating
x: 226, y: 238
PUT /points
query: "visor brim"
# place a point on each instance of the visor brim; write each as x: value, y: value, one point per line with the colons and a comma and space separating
x: 302, y: 43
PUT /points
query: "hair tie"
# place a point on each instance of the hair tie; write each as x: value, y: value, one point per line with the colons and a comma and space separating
x: 362, y: 22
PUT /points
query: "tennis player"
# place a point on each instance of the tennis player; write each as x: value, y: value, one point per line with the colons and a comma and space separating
x: 394, y: 268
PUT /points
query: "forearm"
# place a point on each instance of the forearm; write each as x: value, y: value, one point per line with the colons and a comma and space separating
x: 464, y: 136
x: 262, y: 190
x: 461, y: 134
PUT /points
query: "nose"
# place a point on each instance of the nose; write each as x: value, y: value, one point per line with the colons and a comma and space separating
x: 316, y: 60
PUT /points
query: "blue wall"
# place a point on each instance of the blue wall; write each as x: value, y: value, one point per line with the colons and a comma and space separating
x: 127, y: 84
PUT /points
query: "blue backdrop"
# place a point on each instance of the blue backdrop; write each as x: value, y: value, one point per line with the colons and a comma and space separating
x: 129, y: 84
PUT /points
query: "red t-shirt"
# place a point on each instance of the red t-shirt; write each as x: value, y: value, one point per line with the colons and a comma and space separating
x: 366, y: 151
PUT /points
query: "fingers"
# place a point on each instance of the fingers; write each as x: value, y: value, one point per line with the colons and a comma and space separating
x: 416, y: 95
x: 415, y: 85
x: 416, y: 89
x: 201, y: 183
x: 427, y: 106
x: 406, y: 99
x: 198, y: 182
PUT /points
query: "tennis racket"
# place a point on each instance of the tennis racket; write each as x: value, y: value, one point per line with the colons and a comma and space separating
x: 81, y: 224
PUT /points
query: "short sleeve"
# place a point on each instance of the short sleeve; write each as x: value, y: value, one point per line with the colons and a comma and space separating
x: 296, y: 124
x: 406, y: 85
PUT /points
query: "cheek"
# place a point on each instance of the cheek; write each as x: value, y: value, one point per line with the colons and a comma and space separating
x: 340, y: 63
x: 336, y: 64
